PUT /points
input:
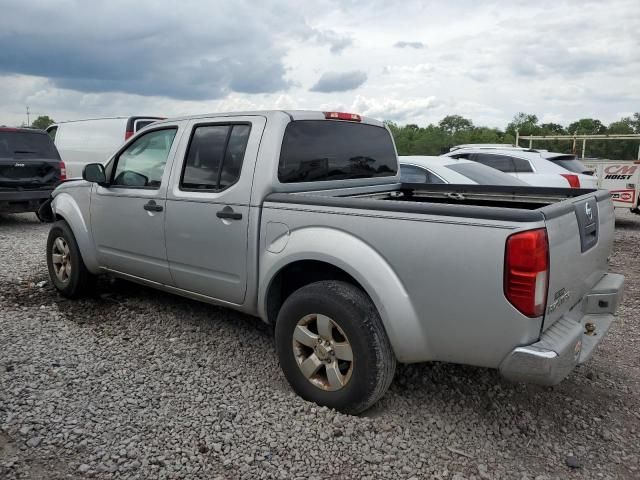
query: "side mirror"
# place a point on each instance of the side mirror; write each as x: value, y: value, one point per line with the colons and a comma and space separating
x: 94, y: 173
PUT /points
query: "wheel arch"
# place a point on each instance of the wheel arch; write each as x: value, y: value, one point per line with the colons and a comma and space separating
x: 65, y: 207
x: 306, y: 260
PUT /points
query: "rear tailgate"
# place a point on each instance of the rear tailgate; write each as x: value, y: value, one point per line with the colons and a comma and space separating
x: 580, y: 232
x: 28, y: 159
x: 29, y: 172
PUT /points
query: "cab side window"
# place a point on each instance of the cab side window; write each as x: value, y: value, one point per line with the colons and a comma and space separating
x: 214, y: 157
x: 142, y: 164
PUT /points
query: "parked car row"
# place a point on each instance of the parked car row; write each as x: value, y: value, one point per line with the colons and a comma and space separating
x: 302, y: 219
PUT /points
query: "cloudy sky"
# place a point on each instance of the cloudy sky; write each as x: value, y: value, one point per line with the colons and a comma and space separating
x: 410, y: 61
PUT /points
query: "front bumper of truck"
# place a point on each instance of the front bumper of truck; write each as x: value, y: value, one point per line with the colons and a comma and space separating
x: 570, y: 341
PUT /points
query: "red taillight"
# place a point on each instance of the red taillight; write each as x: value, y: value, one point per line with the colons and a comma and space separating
x: 351, y: 117
x: 574, y: 180
x: 63, y: 171
x: 526, y: 271
x: 128, y: 134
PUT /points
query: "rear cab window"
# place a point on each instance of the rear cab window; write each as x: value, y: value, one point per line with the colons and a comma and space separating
x: 324, y: 150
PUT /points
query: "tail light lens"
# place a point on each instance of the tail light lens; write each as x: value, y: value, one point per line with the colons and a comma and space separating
x: 574, y: 180
x: 526, y: 271
x: 128, y: 134
x: 63, y: 170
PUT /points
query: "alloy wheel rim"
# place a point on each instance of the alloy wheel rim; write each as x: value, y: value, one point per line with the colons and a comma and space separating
x: 323, y: 352
x: 61, y: 259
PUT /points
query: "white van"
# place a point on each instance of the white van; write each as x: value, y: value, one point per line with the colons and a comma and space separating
x: 93, y: 141
x: 621, y: 178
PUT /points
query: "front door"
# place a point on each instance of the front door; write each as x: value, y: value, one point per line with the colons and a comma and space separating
x: 128, y: 215
x: 208, y: 211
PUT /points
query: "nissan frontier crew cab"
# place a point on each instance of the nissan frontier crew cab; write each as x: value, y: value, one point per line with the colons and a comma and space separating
x: 300, y: 218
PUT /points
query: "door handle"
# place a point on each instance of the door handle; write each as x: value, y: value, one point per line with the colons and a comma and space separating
x: 228, y: 213
x: 152, y: 206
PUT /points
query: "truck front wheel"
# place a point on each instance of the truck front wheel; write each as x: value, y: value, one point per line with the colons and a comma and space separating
x: 67, y: 270
x: 333, y: 348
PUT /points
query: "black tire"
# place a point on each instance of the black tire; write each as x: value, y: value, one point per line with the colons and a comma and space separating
x: 80, y: 281
x: 354, y: 319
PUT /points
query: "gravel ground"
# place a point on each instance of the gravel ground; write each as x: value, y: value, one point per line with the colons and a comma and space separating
x: 134, y: 383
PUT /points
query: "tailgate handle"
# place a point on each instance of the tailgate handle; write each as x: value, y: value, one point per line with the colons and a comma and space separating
x: 591, y: 230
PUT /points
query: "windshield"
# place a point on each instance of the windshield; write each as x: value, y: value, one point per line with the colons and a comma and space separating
x: 571, y: 163
x: 27, y: 145
x: 483, y: 175
x: 320, y: 150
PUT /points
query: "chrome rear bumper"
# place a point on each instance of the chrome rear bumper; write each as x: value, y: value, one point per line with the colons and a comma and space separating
x: 568, y: 342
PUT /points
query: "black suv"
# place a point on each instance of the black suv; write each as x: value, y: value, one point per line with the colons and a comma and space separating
x: 30, y: 168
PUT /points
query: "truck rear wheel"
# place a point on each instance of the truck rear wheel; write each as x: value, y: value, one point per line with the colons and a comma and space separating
x: 67, y: 270
x: 333, y: 348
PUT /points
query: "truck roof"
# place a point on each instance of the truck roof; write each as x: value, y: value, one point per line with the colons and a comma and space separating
x: 292, y: 114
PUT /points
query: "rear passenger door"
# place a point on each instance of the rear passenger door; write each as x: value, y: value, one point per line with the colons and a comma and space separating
x: 208, y: 211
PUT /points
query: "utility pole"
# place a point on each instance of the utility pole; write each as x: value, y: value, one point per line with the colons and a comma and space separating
x: 28, y: 121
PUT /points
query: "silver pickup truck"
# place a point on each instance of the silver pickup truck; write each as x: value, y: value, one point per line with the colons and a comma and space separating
x: 300, y: 218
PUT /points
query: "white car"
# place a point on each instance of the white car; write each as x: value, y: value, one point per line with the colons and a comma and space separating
x: 535, y: 167
x: 423, y: 169
x: 81, y: 142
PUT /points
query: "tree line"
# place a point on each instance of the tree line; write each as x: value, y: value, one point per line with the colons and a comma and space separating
x: 435, y: 139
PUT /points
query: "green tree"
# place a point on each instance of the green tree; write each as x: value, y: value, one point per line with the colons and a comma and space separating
x: 622, y: 149
x: 587, y: 126
x: 42, y: 122
x: 525, y: 123
x: 453, y: 124
x: 553, y: 129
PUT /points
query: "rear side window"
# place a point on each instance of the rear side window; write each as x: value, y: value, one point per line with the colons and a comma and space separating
x: 411, y: 174
x: 571, y: 163
x: 320, y: 150
x: 214, y: 157
x: 16, y: 144
x: 521, y: 165
x: 52, y: 132
x: 484, y: 175
x: 140, y: 124
x: 499, y: 162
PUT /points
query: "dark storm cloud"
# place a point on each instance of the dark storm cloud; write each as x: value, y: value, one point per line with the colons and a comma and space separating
x: 198, y: 51
x: 339, y: 81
